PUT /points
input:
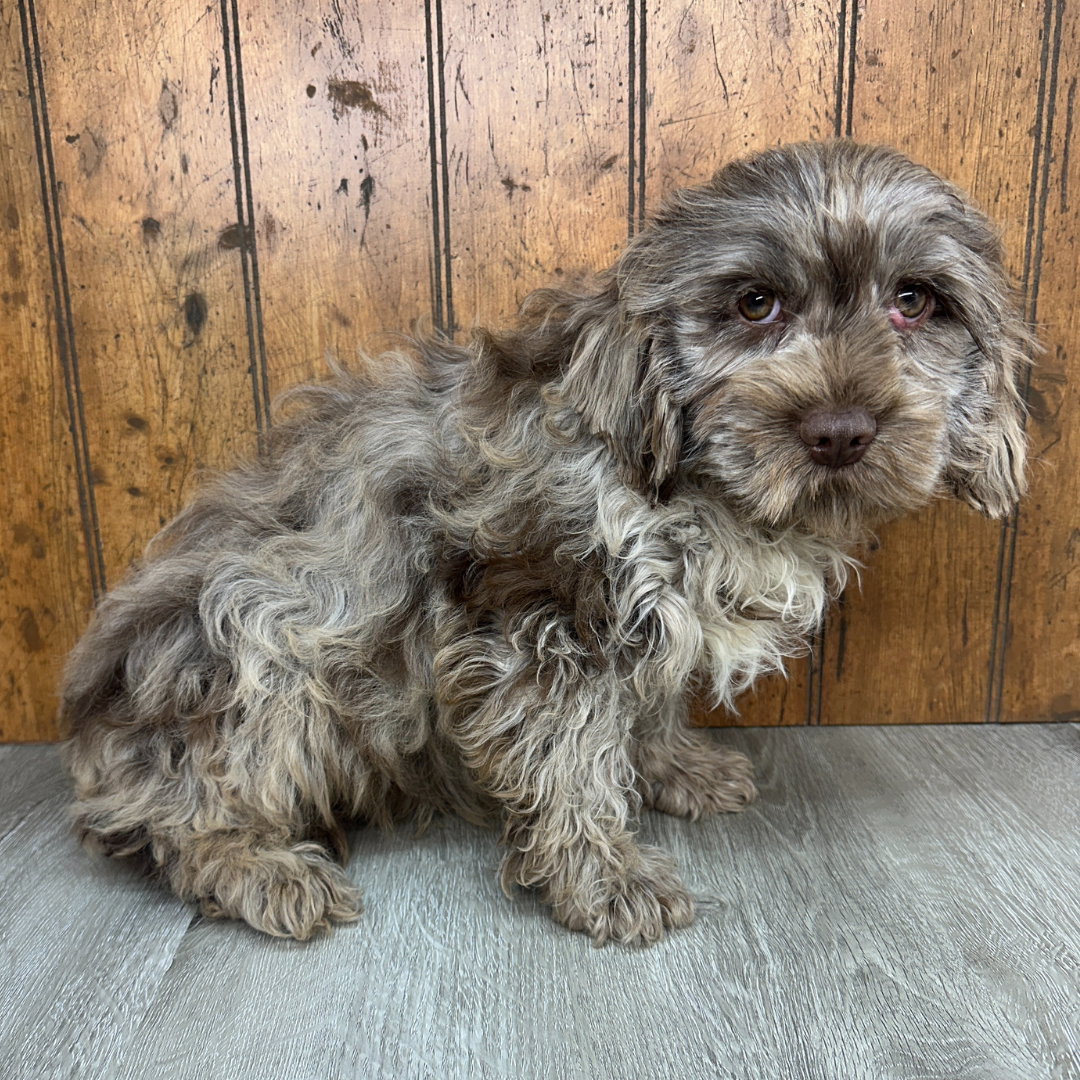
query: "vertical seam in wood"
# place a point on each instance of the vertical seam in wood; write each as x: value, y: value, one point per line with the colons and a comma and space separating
x: 851, y: 68
x: 1038, y: 198
x: 631, y: 111
x: 642, y: 103
x: 433, y: 143
x: 815, y: 663
x: 995, y: 620
x: 249, y: 235
x: 841, y: 33
x: 246, y: 228
x: 65, y: 326
x: 448, y: 281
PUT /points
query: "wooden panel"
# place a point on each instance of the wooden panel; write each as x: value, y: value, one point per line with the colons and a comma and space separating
x: 1042, y: 660
x: 44, y: 582
x: 536, y: 115
x: 730, y: 77
x: 141, y: 141
x: 526, y: 126
x: 337, y: 118
x: 725, y: 79
x: 954, y: 87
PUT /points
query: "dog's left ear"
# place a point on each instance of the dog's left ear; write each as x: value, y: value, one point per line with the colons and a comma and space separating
x: 616, y: 381
x: 987, y: 446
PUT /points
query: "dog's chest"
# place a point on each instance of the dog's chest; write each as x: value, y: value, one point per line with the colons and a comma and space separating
x: 735, y: 602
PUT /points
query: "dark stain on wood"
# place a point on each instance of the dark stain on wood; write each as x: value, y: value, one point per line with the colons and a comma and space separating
x: 137, y: 422
x: 1063, y: 709
x: 91, y: 151
x: 31, y: 633
x: 195, y: 312
x: 270, y: 229
x: 21, y: 533
x: 512, y: 185
x: 168, y: 107
x: 151, y: 228
x: 348, y: 94
x: 12, y: 215
x: 231, y: 237
x: 343, y: 187
x: 367, y: 189
x: 311, y: 90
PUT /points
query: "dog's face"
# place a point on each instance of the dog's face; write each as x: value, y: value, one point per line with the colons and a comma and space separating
x: 824, y: 333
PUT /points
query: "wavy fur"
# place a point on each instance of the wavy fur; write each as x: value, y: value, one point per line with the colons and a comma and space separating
x: 483, y: 579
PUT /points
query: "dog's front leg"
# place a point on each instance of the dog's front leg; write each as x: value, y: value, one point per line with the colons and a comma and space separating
x: 551, y: 744
x: 684, y: 771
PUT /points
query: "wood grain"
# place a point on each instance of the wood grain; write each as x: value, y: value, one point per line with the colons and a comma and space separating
x: 337, y: 119
x: 1042, y: 660
x: 898, y: 903
x: 45, y: 591
x: 725, y: 79
x: 728, y: 78
x: 145, y: 165
x: 536, y: 116
x: 439, y: 161
x: 955, y: 88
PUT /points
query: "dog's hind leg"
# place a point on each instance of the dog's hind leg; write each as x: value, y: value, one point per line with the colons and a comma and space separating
x: 685, y: 772
x: 237, y: 840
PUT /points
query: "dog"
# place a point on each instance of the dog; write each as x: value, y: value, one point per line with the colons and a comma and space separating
x: 484, y: 579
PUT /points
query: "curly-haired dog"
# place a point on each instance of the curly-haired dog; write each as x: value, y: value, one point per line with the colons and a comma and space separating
x: 482, y: 579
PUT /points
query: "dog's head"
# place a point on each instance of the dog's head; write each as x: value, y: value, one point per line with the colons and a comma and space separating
x: 824, y: 333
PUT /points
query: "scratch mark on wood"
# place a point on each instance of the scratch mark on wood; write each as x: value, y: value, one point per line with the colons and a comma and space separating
x: 716, y: 64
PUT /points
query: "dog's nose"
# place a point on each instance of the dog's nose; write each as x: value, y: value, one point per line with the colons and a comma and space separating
x: 837, y: 439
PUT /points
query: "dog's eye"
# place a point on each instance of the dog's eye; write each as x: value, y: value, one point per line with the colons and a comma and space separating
x: 911, y: 304
x: 759, y: 306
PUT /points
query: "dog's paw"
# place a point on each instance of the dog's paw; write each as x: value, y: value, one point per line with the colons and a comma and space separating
x: 702, y: 779
x: 636, y: 909
x: 286, y: 892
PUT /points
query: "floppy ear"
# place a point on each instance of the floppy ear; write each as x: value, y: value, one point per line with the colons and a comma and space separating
x: 615, y: 381
x: 987, y: 445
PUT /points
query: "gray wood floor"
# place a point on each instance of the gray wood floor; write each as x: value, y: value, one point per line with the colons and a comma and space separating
x: 900, y: 902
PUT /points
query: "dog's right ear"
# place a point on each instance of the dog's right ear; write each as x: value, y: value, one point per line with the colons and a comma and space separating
x: 615, y: 381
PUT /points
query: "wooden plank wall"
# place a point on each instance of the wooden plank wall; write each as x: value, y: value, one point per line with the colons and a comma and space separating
x: 200, y: 201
